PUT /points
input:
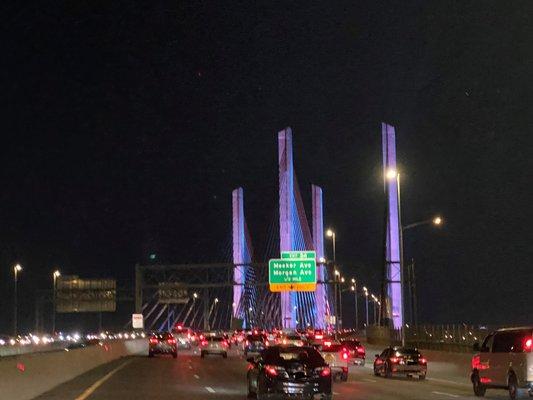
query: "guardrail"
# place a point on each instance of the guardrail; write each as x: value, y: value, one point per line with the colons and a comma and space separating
x: 451, y: 337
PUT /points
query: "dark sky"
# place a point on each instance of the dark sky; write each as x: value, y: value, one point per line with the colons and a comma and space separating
x: 125, y: 126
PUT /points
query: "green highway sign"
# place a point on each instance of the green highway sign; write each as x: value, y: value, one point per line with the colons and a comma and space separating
x: 293, y: 274
x: 299, y: 254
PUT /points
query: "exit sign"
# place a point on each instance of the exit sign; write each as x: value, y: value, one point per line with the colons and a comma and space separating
x: 295, y: 271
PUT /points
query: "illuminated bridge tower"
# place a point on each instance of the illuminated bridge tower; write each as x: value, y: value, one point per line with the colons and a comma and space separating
x: 298, y: 309
x: 321, y: 300
x: 244, y: 297
x: 392, y: 313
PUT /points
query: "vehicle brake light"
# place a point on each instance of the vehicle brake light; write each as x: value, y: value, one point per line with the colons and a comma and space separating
x: 319, y: 336
x: 361, y: 350
x: 153, y: 340
x: 394, y: 360
x: 484, y: 379
x: 271, y: 370
x: 327, y: 343
x: 267, y: 343
x: 345, y: 355
x: 528, y: 344
x: 325, y: 371
x: 171, y: 341
x: 225, y: 344
x: 422, y: 360
x: 204, y: 343
x: 202, y: 337
x: 247, y: 343
x: 299, y: 343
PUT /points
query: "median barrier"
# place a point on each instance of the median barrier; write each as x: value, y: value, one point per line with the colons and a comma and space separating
x: 23, y: 377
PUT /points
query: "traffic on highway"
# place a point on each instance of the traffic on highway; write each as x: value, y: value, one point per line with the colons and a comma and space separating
x: 309, y: 364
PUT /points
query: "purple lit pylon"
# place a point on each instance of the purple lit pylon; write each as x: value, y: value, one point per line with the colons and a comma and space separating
x: 393, y: 306
x: 241, y: 254
x: 318, y: 241
x: 287, y: 215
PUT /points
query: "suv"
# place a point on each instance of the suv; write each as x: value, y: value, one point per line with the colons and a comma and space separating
x: 504, y: 361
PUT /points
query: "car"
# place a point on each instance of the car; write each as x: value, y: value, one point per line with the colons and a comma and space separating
x: 162, y: 343
x: 356, y: 350
x: 504, y: 361
x: 400, y: 361
x: 287, y: 372
x: 337, y: 357
x: 254, y: 344
x: 214, y: 345
x: 182, y: 336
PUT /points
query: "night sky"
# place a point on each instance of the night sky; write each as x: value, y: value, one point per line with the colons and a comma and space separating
x: 125, y: 126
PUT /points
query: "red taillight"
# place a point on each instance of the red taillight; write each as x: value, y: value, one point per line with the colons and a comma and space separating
x: 267, y: 343
x: 204, y: 343
x: 171, y: 341
x: 528, y: 344
x: 271, y: 370
x: 327, y: 343
x: 345, y: 355
x: 247, y: 343
x: 319, y: 336
x: 224, y: 343
x: 361, y: 350
x: 484, y: 379
x: 202, y: 337
x: 394, y: 360
x: 422, y: 360
x: 325, y: 372
x: 153, y: 340
x: 477, y: 364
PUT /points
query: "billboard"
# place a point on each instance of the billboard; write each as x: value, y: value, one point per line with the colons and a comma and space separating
x: 172, y: 293
x: 74, y: 295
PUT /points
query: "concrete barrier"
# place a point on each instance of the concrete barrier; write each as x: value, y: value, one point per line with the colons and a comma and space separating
x: 24, y: 377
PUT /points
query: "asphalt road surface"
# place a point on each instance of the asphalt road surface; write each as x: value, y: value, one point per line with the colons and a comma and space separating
x: 191, y: 378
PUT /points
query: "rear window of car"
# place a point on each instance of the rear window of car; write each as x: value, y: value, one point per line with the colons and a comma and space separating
x: 294, y: 337
x: 255, y: 338
x: 332, y: 349
x: 277, y: 356
x: 215, y: 339
x: 407, y: 352
x: 510, y: 341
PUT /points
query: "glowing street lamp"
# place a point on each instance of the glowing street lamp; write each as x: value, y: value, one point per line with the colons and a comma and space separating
x: 437, y: 220
x: 331, y: 234
x: 56, y: 274
x: 365, y: 290
x: 16, y: 269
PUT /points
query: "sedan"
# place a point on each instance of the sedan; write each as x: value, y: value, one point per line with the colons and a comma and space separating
x: 287, y: 372
x: 162, y: 343
x: 400, y: 361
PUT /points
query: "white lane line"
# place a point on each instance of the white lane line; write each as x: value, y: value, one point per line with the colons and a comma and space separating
x: 101, y: 381
x: 196, y: 376
x: 369, y: 380
x: 446, y: 394
x: 448, y: 381
x: 210, y: 389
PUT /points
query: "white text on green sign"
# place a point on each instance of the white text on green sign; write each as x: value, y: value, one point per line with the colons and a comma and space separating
x: 292, y: 271
x: 305, y: 255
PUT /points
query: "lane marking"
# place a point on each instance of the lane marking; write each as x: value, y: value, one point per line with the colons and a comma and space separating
x: 101, y: 381
x: 210, y: 389
x: 196, y: 376
x: 369, y: 380
x: 446, y: 394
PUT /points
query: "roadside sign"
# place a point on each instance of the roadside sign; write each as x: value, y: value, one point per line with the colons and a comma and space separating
x: 295, y: 271
x: 137, y: 321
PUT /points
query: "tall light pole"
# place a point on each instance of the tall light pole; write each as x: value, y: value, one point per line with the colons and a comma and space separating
x: 392, y: 175
x: 354, y: 290
x: 337, y: 280
x: 16, y: 269
x: 331, y: 234
x: 365, y: 290
x: 56, y: 274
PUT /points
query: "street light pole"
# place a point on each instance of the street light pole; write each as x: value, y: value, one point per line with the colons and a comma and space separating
x: 354, y: 289
x: 16, y: 269
x: 365, y: 290
x: 55, y: 275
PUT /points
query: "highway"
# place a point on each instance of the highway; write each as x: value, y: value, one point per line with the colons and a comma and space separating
x: 190, y: 377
